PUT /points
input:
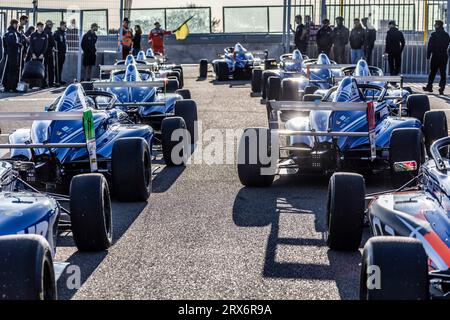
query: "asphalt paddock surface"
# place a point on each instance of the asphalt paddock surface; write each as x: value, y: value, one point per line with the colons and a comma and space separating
x: 202, y: 235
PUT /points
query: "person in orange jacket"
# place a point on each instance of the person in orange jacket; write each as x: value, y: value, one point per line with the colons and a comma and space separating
x: 127, y: 38
x: 156, y: 38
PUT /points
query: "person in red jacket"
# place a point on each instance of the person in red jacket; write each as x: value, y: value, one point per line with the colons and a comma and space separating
x: 127, y: 38
x: 156, y: 38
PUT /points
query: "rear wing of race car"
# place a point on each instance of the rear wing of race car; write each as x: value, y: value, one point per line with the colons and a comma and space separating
x: 273, y: 107
x: 123, y: 67
x: 129, y: 84
x: 88, y: 129
x: 387, y: 79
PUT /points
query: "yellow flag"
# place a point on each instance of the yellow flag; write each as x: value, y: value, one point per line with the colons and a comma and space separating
x: 182, y: 32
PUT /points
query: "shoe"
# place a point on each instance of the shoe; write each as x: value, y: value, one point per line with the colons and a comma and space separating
x: 428, y: 89
x: 441, y: 92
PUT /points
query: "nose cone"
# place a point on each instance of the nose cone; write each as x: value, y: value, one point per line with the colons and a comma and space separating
x: 129, y: 60
x: 362, y: 69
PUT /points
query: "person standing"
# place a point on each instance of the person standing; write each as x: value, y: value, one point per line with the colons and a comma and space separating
x: 370, y: 36
x: 324, y: 38
x: 49, y: 58
x: 28, y: 33
x: 395, y: 43
x: 61, y: 50
x: 156, y: 38
x: 301, y: 35
x: 12, y: 45
x: 340, y: 40
x: 88, y: 45
x: 25, y: 40
x: 137, y: 38
x: 438, y: 52
x: 38, y: 42
x: 127, y: 38
x: 357, y: 40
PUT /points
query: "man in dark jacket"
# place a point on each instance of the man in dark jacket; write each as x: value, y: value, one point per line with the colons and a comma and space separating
x: 12, y: 45
x: 301, y: 35
x: 370, y: 35
x: 324, y: 38
x: 49, y: 56
x: 438, y: 52
x: 357, y: 38
x: 61, y: 49
x: 395, y: 43
x: 88, y: 45
x: 340, y: 41
x: 38, y: 42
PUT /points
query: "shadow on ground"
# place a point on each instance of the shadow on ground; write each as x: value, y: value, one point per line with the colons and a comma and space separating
x: 255, y: 207
x: 124, y: 216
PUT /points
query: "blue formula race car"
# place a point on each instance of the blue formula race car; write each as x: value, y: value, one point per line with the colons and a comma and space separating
x: 236, y: 63
x: 409, y: 255
x: 144, y: 98
x: 347, y: 130
x: 30, y: 220
x: 297, y: 76
x: 119, y: 149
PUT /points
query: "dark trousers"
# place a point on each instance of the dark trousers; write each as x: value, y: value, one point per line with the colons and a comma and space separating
x: 395, y: 63
x: 11, y: 77
x: 59, y: 67
x: 125, y: 52
x: 339, y: 54
x: 368, y: 54
x: 302, y: 46
x: 49, y: 66
x: 434, y: 67
x: 325, y: 50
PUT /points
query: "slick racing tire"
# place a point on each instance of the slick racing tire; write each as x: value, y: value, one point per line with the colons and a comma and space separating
x: 274, y: 88
x: 265, y: 80
x: 26, y: 268
x: 417, y: 105
x: 131, y: 170
x: 405, y: 145
x: 256, y: 80
x: 172, y: 85
x: 345, y: 213
x: 187, y: 109
x: 310, y: 89
x: 222, y: 72
x: 179, y: 69
x: 249, y: 162
x: 174, y: 147
x: 435, y: 128
x: 203, y: 68
x: 185, y: 93
x: 90, y: 212
x: 394, y: 268
x: 290, y: 90
x: 175, y: 74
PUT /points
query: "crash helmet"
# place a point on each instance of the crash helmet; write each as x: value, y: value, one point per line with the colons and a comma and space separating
x: 140, y: 56
x: 129, y: 60
x: 347, y: 91
x: 323, y: 59
x: 362, y: 69
x: 150, y: 53
x: 131, y: 73
x: 239, y: 49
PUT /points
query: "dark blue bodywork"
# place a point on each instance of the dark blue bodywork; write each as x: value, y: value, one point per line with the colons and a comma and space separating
x: 349, y: 121
x: 110, y: 125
